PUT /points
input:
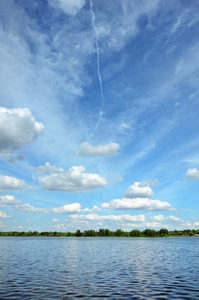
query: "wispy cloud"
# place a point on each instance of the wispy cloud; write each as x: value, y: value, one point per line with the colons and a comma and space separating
x: 87, y: 149
x: 70, y: 7
x: 98, y: 64
x: 186, y: 19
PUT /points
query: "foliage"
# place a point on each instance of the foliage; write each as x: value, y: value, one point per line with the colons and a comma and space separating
x: 104, y: 233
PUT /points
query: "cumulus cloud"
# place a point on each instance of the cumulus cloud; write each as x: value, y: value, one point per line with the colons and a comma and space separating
x: 95, y: 208
x: 144, y: 225
x: 160, y: 218
x: 3, y: 215
x: 193, y: 174
x: 173, y: 219
x: 95, y: 217
x: 137, y: 191
x: 138, y: 204
x: 55, y: 220
x: 17, y: 128
x: 69, y: 7
x: 73, y: 180
x: 66, y: 209
x: 8, y: 199
x: 47, y: 168
x: 8, y: 183
x: 137, y: 197
x: 87, y: 149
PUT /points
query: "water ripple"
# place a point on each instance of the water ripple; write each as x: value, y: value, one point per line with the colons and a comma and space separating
x: 99, y: 268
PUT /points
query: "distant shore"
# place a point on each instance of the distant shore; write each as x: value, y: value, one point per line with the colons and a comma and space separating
x: 104, y: 233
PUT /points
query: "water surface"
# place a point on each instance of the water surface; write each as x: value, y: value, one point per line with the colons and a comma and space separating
x: 99, y: 268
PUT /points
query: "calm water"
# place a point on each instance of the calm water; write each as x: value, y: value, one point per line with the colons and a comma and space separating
x: 94, y: 268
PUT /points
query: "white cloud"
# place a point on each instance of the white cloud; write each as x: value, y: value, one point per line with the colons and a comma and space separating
x: 47, y: 168
x: 186, y: 19
x: 8, y: 199
x: 66, y: 209
x: 193, y: 159
x: 147, y: 224
x: 3, y: 215
x: 138, y: 204
x: 69, y: 7
x: 188, y: 64
x: 98, y: 150
x: 148, y: 183
x: 21, y: 227
x: 143, y: 225
x: 160, y: 218
x: 124, y: 21
x: 95, y: 217
x: 137, y: 191
x: 73, y: 180
x: 125, y: 126
x: 95, y: 208
x: 136, y: 197
x: 196, y: 224
x: 8, y: 183
x: 17, y: 128
x: 55, y: 220
x: 193, y: 174
x: 173, y: 219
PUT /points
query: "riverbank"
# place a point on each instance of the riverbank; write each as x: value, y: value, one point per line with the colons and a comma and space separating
x: 105, y: 233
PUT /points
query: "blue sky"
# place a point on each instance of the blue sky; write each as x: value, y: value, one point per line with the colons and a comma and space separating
x: 99, y: 114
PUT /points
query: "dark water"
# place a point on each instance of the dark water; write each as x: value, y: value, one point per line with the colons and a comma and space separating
x: 99, y: 268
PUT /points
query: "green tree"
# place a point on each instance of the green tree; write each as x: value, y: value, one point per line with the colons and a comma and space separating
x: 147, y: 232
x: 101, y: 232
x: 163, y: 232
x: 118, y: 232
x: 78, y: 233
x: 135, y: 233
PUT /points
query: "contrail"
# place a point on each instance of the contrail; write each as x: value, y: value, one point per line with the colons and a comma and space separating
x: 98, y: 64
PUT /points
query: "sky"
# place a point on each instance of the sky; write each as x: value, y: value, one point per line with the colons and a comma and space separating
x: 99, y: 104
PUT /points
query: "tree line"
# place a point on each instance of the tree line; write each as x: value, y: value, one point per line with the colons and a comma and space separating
x: 105, y: 233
